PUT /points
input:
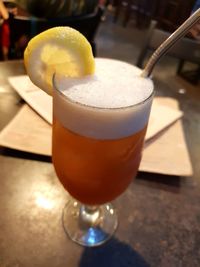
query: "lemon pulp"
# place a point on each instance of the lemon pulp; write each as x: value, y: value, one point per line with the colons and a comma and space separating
x: 61, y: 50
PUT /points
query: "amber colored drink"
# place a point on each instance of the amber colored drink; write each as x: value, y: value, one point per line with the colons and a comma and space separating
x: 96, y: 148
x: 95, y: 171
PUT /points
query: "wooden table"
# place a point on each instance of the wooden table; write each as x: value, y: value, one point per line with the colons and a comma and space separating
x: 159, y: 215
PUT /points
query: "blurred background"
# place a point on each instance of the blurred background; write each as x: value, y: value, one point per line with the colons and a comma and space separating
x: 124, y: 29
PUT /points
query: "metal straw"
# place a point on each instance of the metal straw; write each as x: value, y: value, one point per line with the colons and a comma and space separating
x: 169, y: 42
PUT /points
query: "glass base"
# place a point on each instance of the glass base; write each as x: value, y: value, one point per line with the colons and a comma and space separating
x: 89, y: 226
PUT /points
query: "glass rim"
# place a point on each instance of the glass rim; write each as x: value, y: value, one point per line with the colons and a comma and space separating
x: 95, y: 107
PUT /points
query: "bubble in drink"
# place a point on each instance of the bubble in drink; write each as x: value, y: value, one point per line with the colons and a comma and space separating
x: 98, y: 130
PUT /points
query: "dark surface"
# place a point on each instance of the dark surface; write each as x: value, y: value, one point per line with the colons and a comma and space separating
x: 159, y: 215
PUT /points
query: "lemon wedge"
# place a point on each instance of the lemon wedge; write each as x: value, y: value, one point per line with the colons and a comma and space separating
x: 61, y: 50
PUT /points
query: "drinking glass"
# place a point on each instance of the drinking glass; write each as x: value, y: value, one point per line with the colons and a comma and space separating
x: 96, y: 154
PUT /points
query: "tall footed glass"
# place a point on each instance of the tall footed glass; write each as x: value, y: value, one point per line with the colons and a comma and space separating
x: 97, y: 144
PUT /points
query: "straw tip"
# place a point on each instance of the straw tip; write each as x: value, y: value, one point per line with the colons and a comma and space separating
x: 144, y: 74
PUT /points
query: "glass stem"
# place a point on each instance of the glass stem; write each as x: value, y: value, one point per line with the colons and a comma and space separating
x: 89, y: 216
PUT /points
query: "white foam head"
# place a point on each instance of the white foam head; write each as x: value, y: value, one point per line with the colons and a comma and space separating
x: 112, y: 104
